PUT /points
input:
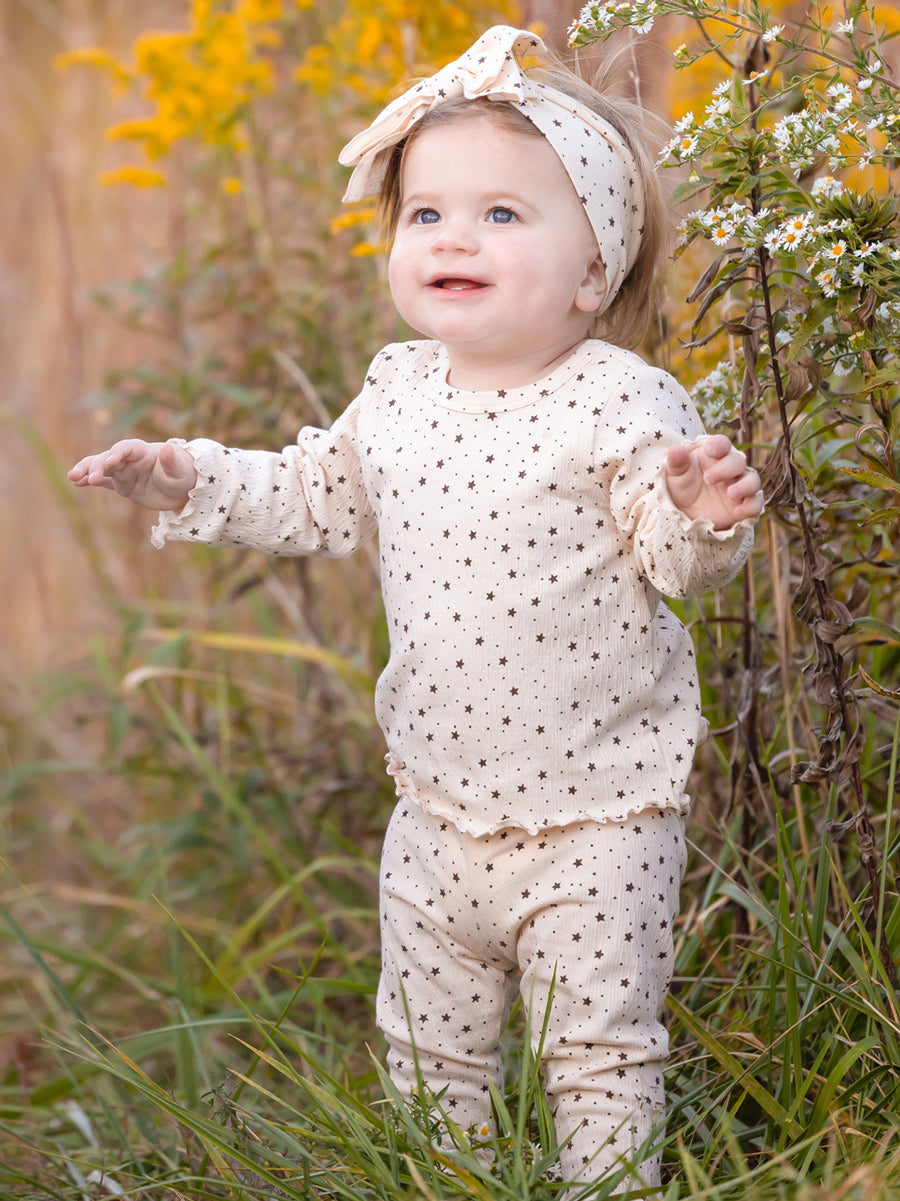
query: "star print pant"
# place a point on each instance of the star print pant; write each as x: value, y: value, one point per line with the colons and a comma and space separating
x: 584, y: 910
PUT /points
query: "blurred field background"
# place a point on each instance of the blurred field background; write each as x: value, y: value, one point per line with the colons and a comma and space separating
x: 192, y: 788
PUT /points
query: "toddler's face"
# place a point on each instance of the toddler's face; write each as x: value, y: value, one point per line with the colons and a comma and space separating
x: 493, y: 254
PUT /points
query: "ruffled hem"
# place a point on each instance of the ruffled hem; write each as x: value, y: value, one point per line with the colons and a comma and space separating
x: 602, y: 815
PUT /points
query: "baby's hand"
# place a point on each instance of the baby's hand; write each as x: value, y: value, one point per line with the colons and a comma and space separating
x: 711, y: 479
x: 157, y: 475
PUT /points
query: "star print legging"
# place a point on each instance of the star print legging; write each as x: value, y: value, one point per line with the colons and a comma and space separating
x: 586, y: 910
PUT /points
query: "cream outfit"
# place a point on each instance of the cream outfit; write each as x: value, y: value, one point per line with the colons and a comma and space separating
x: 535, y: 677
x: 537, y: 688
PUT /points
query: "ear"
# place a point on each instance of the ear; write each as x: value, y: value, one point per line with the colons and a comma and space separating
x: 592, y: 288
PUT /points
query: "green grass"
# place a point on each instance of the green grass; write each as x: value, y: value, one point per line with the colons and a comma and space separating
x: 193, y: 811
x: 188, y: 999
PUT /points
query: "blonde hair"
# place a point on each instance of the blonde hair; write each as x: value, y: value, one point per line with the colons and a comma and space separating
x: 626, y: 320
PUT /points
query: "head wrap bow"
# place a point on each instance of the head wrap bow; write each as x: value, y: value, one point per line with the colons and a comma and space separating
x: 596, y: 159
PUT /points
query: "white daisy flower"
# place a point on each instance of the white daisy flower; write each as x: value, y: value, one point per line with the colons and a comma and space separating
x: 828, y: 187
x: 720, y: 107
x: 841, y: 96
x: 827, y: 281
x: 790, y: 239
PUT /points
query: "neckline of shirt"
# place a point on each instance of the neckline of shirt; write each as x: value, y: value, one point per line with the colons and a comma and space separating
x: 501, y: 400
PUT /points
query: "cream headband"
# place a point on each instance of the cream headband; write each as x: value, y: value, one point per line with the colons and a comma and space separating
x: 596, y: 159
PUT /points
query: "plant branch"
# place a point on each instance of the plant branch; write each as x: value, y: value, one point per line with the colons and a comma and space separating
x: 868, y: 849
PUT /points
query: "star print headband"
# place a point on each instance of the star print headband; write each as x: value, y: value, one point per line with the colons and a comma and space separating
x: 599, y: 164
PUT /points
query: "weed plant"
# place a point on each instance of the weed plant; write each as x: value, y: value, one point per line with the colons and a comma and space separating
x: 193, y: 810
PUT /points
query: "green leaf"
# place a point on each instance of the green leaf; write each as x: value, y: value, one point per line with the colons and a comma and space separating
x: 871, y: 475
x: 746, y: 186
x: 880, y: 515
x: 871, y: 629
x: 691, y: 187
x: 735, y: 1068
x: 885, y: 377
x: 260, y: 645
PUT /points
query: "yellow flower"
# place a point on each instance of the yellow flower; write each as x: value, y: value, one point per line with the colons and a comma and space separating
x: 232, y: 185
x: 137, y: 177
x: 156, y: 138
x: 370, y: 38
x: 259, y: 10
x: 350, y: 219
x: 95, y: 56
x: 200, y: 82
x: 364, y: 250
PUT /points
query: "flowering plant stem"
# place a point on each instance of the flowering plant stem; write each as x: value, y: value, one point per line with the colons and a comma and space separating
x: 792, y: 165
x: 868, y: 849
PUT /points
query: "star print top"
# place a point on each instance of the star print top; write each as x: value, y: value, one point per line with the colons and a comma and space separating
x: 535, y: 677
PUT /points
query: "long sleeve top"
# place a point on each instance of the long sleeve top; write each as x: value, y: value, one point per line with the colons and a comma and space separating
x: 535, y: 677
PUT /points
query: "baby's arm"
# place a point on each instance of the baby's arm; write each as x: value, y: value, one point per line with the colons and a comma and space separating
x: 711, y: 479
x: 156, y: 475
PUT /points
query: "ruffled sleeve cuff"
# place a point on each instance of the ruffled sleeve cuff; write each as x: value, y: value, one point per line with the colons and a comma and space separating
x: 698, y: 527
x: 193, y: 521
x: 715, y: 556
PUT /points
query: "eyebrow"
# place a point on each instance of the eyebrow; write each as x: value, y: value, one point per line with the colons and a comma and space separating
x: 487, y: 199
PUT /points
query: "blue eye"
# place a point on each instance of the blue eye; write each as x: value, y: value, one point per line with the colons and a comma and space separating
x: 502, y: 216
x: 426, y: 217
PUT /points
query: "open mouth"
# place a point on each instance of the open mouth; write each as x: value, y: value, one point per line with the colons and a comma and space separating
x: 457, y: 284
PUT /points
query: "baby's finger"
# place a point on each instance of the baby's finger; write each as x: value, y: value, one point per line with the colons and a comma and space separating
x: 747, y: 484
x: 717, y: 446
x: 726, y: 469
x: 174, y: 461
x: 86, y: 466
x: 106, y: 465
x: 679, y: 461
x: 752, y: 506
x: 78, y: 472
x: 101, y: 468
x: 746, y: 496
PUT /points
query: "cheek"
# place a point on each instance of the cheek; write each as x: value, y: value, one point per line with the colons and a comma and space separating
x: 396, y: 269
x: 401, y: 281
x: 541, y: 277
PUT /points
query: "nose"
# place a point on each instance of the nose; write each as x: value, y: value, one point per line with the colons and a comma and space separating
x: 456, y: 234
